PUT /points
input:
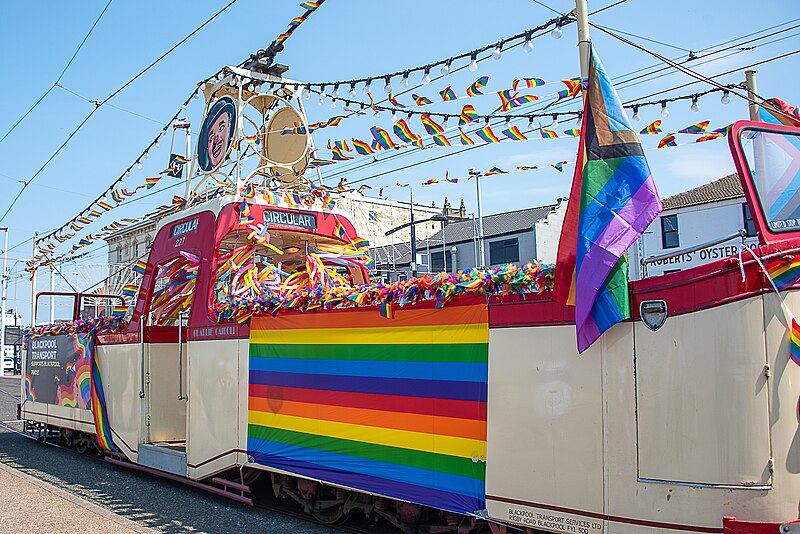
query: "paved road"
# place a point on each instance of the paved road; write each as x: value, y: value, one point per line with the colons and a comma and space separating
x: 148, y: 501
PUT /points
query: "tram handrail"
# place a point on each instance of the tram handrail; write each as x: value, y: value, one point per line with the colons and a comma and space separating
x: 141, y: 356
x: 741, y: 233
x: 181, y: 396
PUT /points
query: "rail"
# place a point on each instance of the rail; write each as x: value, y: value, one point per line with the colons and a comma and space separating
x: 181, y: 315
x: 141, y: 356
x: 741, y: 233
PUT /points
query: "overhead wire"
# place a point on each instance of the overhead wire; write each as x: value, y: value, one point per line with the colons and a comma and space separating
x: 63, y: 71
x: 104, y: 101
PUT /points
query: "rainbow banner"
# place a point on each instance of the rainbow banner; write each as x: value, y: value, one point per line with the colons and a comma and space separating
x: 393, y: 407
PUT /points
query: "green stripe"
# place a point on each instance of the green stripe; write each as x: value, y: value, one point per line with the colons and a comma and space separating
x: 464, y: 352
x: 441, y: 463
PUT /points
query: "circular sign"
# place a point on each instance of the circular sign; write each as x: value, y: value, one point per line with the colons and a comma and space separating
x: 216, y: 134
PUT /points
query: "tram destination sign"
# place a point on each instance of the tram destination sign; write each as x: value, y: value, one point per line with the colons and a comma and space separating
x: 288, y: 218
x: 185, y: 227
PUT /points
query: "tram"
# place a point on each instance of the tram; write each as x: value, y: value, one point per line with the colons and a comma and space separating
x: 468, y: 411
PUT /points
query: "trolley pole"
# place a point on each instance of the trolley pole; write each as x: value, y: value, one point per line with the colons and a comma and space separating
x: 33, y: 283
x: 752, y: 90
x: 582, y: 16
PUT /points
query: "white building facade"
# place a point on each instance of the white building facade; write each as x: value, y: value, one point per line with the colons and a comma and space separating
x: 701, y: 215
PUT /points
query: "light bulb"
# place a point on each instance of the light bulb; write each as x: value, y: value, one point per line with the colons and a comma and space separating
x: 580, y: 121
x: 528, y: 46
x: 376, y: 113
x: 145, y: 155
x: 556, y: 33
x: 270, y: 90
x: 530, y: 122
x: 366, y: 87
x: 555, y: 122
x: 445, y: 69
x: 333, y: 103
x: 426, y: 78
x: 306, y: 93
x: 394, y: 116
x: 404, y: 81
x: 203, y: 86
x: 636, y: 116
x: 352, y: 91
x: 726, y: 98
x: 497, y: 53
x: 196, y: 96
x: 695, y: 106
x: 158, y: 145
x: 388, y: 87
x: 473, y: 65
x: 664, y: 110
x: 444, y: 123
x: 321, y: 99
x: 138, y: 164
x: 335, y: 92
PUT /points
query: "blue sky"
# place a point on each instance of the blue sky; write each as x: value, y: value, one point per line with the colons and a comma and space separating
x: 345, y: 39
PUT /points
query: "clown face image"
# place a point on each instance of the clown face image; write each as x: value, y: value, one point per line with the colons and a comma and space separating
x: 216, y: 134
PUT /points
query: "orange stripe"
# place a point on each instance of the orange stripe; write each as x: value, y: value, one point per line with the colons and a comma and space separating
x: 429, y: 424
x: 371, y: 318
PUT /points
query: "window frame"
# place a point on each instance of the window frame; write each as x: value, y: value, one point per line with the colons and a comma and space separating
x: 664, y: 232
x: 504, y: 245
x: 747, y: 216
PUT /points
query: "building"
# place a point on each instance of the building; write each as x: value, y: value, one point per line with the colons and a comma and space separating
x: 700, y: 215
x: 514, y: 237
x: 10, y: 360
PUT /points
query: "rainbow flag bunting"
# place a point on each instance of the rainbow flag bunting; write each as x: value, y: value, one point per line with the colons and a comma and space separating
x: 698, y: 128
x: 150, y: 182
x: 448, y: 94
x: 468, y: 115
x: 249, y: 190
x: 340, y: 144
x: 709, y: 137
x: 475, y: 88
x: 529, y: 82
x: 441, y: 140
x: 574, y: 86
x: 394, y: 102
x: 180, y: 160
x: 667, y: 141
x: 403, y: 131
x: 270, y: 198
x: 725, y: 130
x: 337, y: 154
x: 547, y: 134
x: 297, y: 21
x: 362, y: 147
x: 652, y: 129
x: 612, y: 202
x: 448, y: 179
x: 526, y: 167
x: 129, y: 290
x: 794, y: 342
x: 431, y: 126
x: 465, y: 140
x: 431, y: 181
x: 784, y: 273
x: 98, y: 401
x: 140, y: 267
x: 572, y: 132
x: 311, y: 6
x: 421, y: 100
x: 514, y: 133
x: 382, y: 137
x: 329, y: 203
x: 363, y: 187
x: 315, y: 162
x: 396, y: 408
x: 487, y: 135
x: 493, y: 171
x: 339, y: 230
x: 559, y: 166
x: 506, y: 95
x: 398, y: 184
x: 117, y: 196
x: 105, y: 205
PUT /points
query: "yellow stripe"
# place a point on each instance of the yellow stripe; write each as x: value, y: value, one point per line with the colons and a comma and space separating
x: 419, y: 441
x: 437, y: 334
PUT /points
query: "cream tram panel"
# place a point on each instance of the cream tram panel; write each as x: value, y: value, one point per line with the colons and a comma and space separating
x: 167, y: 413
x: 119, y: 370
x: 702, y: 406
x: 213, y: 385
x: 544, y: 434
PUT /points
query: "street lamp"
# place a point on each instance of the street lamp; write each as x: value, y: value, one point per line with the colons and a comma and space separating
x: 436, y: 218
x: 4, y: 283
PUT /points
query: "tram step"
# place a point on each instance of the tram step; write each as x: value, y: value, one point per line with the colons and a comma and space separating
x: 163, y: 457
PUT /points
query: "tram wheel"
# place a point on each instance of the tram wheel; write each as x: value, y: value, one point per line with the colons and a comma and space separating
x: 332, y: 516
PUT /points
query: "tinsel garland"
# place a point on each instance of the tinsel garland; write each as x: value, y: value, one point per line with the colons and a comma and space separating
x: 95, y: 325
x: 442, y: 287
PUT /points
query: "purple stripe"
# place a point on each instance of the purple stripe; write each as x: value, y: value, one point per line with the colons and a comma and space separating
x: 438, y: 389
x: 399, y: 490
x: 622, y: 232
x: 587, y: 333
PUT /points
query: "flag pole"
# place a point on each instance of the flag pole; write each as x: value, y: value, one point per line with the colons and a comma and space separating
x: 582, y: 16
x: 752, y: 90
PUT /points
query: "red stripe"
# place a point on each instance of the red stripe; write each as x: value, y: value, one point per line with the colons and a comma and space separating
x: 393, y: 403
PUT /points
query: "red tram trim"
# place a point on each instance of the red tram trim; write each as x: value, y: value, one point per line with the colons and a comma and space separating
x: 607, y: 517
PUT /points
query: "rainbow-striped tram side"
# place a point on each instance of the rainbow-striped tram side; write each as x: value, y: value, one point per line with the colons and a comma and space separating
x: 434, y: 419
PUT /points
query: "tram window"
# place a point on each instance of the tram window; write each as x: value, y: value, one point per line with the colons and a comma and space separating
x: 669, y: 231
x: 173, y: 290
x: 747, y: 221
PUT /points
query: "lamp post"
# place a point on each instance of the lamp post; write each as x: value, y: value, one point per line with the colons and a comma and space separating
x: 481, y: 251
x: 4, y: 283
x: 436, y: 218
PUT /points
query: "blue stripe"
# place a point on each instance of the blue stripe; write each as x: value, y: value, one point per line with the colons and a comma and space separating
x: 604, y: 310
x: 408, y: 492
x: 456, y: 371
x: 612, y: 197
x: 426, y: 478
x: 437, y: 389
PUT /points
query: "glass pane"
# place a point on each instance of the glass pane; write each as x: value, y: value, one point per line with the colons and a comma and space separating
x: 774, y: 163
x: 55, y: 308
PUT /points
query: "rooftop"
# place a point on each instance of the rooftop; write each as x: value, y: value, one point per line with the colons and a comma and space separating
x: 726, y: 188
